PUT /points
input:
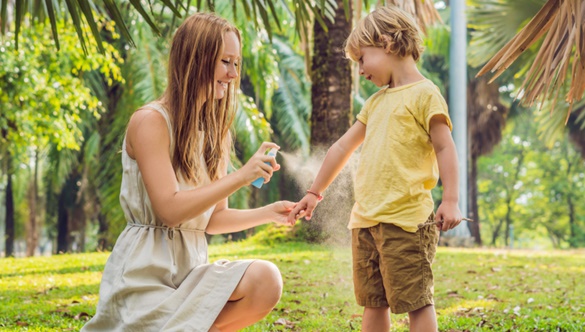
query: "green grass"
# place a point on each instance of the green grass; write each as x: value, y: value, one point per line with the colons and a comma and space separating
x: 474, y: 289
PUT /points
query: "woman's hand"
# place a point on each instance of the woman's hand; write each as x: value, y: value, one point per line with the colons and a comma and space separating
x: 279, y: 212
x: 304, y: 208
x: 257, y: 166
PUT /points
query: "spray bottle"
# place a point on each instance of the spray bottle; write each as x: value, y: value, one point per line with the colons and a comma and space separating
x: 260, y: 181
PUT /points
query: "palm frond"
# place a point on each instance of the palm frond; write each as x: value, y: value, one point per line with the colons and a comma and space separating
x: 553, y: 126
x: 149, y: 65
x: 291, y: 101
x: 493, y: 23
x: 262, y: 13
x: 562, y: 48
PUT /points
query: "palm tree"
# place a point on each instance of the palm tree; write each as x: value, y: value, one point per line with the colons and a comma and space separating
x: 491, y: 23
x: 544, y: 69
x: 560, y: 59
x: 331, y: 100
x: 82, y: 12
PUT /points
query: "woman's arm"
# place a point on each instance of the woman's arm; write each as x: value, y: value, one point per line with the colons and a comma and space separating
x: 226, y: 220
x: 148, y: 142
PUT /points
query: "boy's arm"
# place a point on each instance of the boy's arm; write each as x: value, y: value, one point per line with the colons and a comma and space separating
x: 336, y: 158
x: 446, y: 154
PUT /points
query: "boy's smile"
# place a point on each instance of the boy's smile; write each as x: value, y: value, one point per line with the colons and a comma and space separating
x: 375, y: 65
x: 384, y: 68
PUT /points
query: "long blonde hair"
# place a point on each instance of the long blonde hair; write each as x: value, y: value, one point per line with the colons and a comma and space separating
x: 190, y: 97
x: 388, y: 27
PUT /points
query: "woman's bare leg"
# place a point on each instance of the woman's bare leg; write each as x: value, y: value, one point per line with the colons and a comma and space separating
x: 254, y: 297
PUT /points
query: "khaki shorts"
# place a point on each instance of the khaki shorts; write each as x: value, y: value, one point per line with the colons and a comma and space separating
x: 392, y: 267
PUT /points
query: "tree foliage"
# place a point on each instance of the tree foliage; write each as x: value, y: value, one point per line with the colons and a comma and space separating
x: 533, y: 187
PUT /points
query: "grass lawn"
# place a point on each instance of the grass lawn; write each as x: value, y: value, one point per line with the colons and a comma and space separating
x: 474, y: 289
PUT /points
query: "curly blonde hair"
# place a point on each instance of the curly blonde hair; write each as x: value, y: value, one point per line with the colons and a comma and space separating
x: 388, y: 27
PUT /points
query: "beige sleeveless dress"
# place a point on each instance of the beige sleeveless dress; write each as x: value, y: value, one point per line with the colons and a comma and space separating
x: 159, y: 278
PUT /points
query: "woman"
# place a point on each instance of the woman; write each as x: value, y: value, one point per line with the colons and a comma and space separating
x: 175, y: 187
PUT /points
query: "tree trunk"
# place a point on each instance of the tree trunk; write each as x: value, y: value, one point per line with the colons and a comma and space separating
x: 9, y: 233
x: 31, y: 227
x: 66, y: 222
x: 510, y: 198
x: 77, y: 224
x: 508, y: 219
x: 102, y: 243
x: 32, y: 233
x: 496, y: 232
x: 572, y: 222
x: 331, y: 78
x: 62, y: 225
x: 473, y: 207
x: 485, y: 121
x: 330, y: 118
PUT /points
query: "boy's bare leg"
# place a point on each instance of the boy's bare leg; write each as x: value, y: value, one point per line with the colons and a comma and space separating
x: 376, y: 319
x: 423, y: 319
x: 254, y: 297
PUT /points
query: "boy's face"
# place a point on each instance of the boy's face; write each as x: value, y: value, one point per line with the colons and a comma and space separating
x: 375, y: 65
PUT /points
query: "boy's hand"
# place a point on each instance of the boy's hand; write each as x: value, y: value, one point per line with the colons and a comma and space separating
x: 304, y: 208
x: 450, y: 214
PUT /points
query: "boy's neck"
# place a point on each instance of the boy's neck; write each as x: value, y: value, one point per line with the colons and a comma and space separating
x: 404, y: 72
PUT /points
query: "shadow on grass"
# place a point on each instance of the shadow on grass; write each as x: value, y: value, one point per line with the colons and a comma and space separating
x: 66, y: 270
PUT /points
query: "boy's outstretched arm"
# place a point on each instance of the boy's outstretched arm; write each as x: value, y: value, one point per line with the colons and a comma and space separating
x: 336, y: 158
x: 446, y: 154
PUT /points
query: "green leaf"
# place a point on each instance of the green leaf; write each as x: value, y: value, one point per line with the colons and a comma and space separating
x: 117, y: 17
x: 88, y: 13
x: 51, y: 13
x: 138, y: 6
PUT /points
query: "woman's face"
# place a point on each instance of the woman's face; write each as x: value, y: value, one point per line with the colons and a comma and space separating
x: 227, y: 67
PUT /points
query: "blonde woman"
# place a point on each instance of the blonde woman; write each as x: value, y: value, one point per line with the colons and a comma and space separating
x: 175, y: 188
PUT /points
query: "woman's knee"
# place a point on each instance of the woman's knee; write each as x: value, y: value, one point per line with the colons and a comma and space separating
x: 267, y: 282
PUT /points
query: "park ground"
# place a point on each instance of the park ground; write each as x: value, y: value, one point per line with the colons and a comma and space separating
x: 475, y: 289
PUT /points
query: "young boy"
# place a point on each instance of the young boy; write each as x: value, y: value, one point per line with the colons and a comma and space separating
x: 406, y: 134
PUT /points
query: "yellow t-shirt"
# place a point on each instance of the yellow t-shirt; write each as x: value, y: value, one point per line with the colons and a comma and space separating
x: 397, y: 167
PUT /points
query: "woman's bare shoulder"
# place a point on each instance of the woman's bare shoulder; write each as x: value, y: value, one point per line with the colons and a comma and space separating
x: 145, y: 125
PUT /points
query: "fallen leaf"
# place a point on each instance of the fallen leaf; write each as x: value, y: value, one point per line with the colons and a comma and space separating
x: 81, y: 315
x: 285, y: 323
